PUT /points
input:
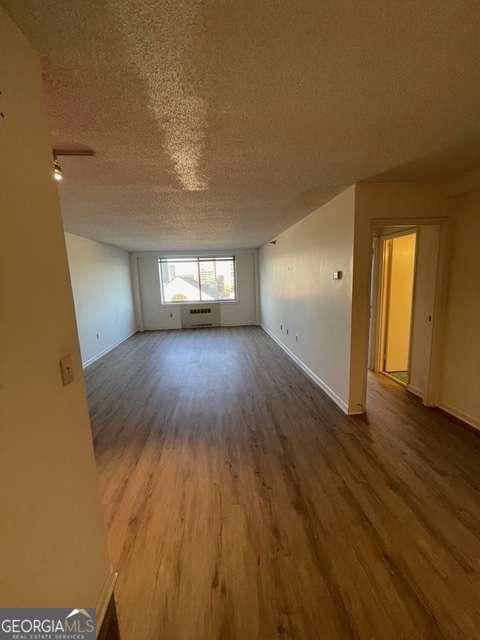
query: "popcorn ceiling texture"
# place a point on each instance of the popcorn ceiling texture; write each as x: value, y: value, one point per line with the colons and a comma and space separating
x: 218, y: 124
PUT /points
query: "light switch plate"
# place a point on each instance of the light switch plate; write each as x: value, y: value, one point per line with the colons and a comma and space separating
x: 66, y: 369
x: 337, y: 275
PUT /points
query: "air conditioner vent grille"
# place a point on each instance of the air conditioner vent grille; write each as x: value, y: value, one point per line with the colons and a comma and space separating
x: 197, y: 315
x: 201, y: 310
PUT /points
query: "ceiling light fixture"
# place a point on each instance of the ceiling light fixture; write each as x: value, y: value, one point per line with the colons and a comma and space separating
x: 57, y: 172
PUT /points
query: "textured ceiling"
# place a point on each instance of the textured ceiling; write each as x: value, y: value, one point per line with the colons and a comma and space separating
x: 441, y: 165
x: 218, y: 124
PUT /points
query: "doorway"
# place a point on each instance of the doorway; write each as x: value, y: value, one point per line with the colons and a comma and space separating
x: 424, y: 310
x: 398, y: 283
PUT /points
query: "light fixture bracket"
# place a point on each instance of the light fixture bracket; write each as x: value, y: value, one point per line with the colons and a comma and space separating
x: 72, y: 152
x: 57, y: 172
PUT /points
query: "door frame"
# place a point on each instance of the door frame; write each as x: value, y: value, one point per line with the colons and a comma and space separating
x: 435, y: 357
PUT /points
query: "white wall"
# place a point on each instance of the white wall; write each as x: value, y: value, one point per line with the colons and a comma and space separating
x: 102, y: 291
x: 152, y: 314
x: 53, y: 546
x: 460, y: 389
x: 297, y: 291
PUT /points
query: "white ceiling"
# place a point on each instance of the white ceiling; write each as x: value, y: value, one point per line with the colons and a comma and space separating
x: 218, y: 124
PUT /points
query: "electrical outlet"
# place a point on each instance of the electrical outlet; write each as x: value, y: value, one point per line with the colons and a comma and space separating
x: 66, y: 369
x: 98, y: 335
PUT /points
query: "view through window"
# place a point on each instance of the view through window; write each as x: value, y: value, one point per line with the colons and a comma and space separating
x: 197, y: 279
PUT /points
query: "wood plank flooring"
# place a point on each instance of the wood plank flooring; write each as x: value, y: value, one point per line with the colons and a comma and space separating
x: 241, y: 504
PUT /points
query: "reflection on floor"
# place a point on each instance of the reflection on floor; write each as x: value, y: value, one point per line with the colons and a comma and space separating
x: 241, y: 503
x: 400, y: 375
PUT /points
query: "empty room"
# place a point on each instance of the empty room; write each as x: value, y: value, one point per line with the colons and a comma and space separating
x: 240, y: 320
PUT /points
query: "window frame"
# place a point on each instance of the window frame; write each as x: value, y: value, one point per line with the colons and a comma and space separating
x: 198, y: 259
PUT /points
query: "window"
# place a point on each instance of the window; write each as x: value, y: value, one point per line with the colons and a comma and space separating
x: 197, y: 279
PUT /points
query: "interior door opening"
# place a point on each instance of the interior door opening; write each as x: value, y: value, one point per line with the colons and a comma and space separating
x: 398, y: 283
x: 407, y: 303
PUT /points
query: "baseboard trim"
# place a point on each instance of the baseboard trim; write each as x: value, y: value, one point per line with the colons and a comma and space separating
x: 312, y: 375
x: 460, y: 415
x: 415, y: 390
x: 96, y: 357
x: 105, y: 597
x: 239, y: 324
x: 213, y: 326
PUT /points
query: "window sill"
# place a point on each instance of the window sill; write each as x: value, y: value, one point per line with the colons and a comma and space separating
x: 181, y: 304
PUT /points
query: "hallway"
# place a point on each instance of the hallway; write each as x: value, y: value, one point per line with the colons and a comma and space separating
x: 240, y: 503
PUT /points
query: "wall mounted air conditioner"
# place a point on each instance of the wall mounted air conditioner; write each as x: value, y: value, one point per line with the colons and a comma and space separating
x: 200, y: 315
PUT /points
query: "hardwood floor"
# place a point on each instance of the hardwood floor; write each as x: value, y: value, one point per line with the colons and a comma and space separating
x: 240, y: 502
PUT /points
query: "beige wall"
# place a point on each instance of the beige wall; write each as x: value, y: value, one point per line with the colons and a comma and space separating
x: 337, y: 233
x: 298, y: 293
x: 333, y: 324
x: 460, y: 388
x: 457, y: 368
x: 402, y: 263
x: 102, y: 292
x: 52, y: 550
x: 380, y: 201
